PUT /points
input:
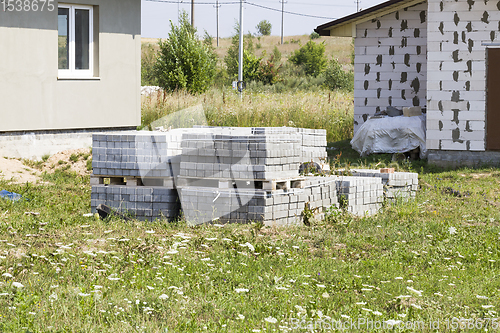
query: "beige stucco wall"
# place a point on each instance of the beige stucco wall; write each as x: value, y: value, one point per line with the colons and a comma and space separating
x: 33, y: 98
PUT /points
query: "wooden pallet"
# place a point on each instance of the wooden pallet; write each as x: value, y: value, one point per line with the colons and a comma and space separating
x: 132, y: 181
x: 260, y: 184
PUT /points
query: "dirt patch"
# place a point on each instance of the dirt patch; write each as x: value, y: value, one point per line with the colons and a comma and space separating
x: 478, y: 175
x: 19, y: 171
x: 71, y: 160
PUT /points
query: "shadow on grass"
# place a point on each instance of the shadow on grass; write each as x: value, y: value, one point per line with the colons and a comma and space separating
x: 342, y: 155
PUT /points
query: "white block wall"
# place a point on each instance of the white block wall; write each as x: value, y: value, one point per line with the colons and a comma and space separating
x: 457, y: 72
x: 390, y: 62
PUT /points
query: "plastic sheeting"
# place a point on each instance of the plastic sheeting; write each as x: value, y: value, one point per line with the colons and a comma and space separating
x: 10, y: 195
x: 391, y: 135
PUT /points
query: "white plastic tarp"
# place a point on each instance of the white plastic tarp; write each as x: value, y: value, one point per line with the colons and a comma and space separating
x: 391, y: 135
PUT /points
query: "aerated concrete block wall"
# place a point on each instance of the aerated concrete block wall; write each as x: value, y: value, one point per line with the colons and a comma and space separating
x: 456, y: 92
x: 390, y: 65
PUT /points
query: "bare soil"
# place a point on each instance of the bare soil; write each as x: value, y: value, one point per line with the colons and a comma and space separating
x: 15, y: 171
x: 22, y: 171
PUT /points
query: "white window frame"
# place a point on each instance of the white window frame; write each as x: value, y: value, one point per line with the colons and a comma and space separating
x: 72, y: 72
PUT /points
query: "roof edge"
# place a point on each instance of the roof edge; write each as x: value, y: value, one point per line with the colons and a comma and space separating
x: 323, y: 30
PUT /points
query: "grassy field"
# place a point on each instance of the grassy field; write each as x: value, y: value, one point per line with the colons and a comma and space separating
x: 434, y: 260
x: 332, y: 111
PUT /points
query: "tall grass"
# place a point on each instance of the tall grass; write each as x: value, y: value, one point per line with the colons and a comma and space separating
x: 332, y: 111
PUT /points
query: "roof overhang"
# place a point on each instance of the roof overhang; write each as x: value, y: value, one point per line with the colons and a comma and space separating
x: 346, y: 26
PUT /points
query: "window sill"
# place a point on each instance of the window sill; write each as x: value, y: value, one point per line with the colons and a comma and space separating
x: 78, y: 78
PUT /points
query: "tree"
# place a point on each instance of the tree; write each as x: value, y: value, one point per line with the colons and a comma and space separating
x: 264, y: 28
x: 314, y: 35
x: 336, y: 77
x: 184, y: 61
x: 311, y: 57
x: 249, y: 59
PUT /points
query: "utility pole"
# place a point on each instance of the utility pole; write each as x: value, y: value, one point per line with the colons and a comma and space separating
x: 282, y: 16
x: 192, y: 13
x: 240, y: 62
x: 217, y: 13
x: 357, y: 5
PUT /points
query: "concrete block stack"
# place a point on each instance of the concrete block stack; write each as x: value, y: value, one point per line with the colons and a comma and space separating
x: 277, y: 207
x: 396, y: 184
x: 140, y: 166
x: 229, y: 175
x: 360, y: 195
x: 313, y: 145
x: 135, y: 154
x: 251, y: 154
x: 143, y: 202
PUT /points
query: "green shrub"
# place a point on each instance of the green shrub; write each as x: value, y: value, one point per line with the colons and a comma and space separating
x: 314, y: 35
x: 264, y: 28
x: 148, y: 59
x: 251, y: 64
x: 311, y: 57
x: 336, y: 77
x: 232, y: 57
x: 185, y: 62
x: 74, y: 157
x: 269, y: 71
x: 276, y: 54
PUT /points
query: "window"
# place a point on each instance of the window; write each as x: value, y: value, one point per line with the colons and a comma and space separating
x: 75, y: 41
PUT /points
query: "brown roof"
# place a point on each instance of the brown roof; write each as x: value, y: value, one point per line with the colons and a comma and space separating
x: 324, y: 29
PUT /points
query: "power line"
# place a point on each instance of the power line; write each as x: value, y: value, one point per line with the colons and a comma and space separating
x: 309, y: 4
x: 292, y: 13
x: 198, y: 3
x: 251, y: 4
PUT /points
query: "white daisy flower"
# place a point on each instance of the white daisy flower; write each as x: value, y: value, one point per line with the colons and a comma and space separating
x: 241, y: 290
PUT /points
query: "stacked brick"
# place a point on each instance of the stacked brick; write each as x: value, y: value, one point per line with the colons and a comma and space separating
x: 228, y: 175
x: 262, y: 154
x: 278, y: 207
x: 143, y: 202
x: 313, y: 145
x: 360, y: 195
x: 136, y: 158
x: 135, y: 154
x: 396, y: 185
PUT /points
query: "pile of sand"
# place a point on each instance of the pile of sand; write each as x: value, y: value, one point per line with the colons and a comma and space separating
x: 19, y: 171
x: 15, y: 171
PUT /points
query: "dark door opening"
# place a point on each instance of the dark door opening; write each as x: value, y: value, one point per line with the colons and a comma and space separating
x: 493, y: 99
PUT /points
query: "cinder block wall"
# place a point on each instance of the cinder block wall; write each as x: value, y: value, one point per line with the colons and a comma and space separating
x: 457, y: 72
x: 390, y: 62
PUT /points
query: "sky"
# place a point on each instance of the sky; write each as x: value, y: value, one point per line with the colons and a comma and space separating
x: 156, y: 15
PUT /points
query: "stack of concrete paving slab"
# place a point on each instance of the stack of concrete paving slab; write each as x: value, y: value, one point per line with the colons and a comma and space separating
x: 313, y: 145
x: 135, y: 154
x: 229, y: 174
x: 360, y: 195
x: 396, y: 184
x: 251, y: 155
x: 312, y: 141
x: 143, y: 202
x: 140, y: 167
x: 276, y: 207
